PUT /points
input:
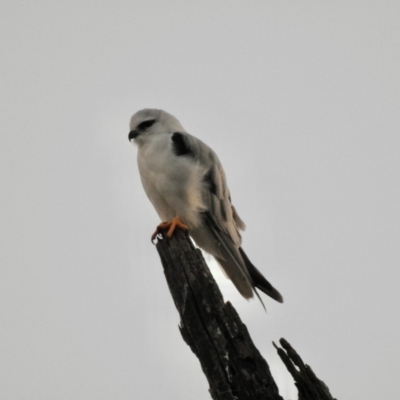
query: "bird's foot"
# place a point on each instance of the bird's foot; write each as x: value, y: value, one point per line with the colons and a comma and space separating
x: 171, y: 226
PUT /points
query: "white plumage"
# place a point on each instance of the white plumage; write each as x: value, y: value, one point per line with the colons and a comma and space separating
x: 186, y: 183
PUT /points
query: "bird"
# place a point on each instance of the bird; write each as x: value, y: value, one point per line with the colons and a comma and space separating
x: 186, y: 183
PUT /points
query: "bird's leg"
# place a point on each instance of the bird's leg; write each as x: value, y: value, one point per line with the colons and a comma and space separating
x: 171, y: 226
x: 176, y: 223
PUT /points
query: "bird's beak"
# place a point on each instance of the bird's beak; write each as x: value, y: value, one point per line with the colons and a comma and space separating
x: 133, y: 135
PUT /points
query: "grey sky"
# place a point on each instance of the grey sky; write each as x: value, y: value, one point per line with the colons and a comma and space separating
x: 300, y: 100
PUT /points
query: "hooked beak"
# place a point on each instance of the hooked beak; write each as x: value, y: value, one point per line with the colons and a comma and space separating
x: 133, y: 135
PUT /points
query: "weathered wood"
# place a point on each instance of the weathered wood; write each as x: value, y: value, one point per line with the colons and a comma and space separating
x: 232, y: 364
x: 308, y: 385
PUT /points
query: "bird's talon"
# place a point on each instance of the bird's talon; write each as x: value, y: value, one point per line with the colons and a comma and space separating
x: 171, y: 226
x: 156, y: 235
x: 156, y: 239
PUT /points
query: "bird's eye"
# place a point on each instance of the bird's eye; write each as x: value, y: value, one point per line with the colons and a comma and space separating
x: 146, y: 124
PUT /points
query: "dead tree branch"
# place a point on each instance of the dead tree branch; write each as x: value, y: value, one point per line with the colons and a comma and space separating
x: 233, y: 366
x: 308, y: 385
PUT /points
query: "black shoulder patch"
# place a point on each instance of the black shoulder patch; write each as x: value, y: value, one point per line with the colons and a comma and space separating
x: 180, y: 145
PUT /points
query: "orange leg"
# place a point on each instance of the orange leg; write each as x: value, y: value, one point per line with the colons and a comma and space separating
x: 171, y: 226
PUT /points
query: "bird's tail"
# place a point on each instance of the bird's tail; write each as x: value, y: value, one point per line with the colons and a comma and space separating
x: 238, y: 277
x: 226, y: 254
x: 233, y: 260
x: 259, y: 280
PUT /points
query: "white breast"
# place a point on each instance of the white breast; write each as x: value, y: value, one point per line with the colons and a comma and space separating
x: 173, y: 184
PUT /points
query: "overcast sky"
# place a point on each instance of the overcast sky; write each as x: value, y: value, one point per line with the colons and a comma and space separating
x: 300, y: 100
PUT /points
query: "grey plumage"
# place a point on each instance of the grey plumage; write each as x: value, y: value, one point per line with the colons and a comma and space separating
x: 184, y: 178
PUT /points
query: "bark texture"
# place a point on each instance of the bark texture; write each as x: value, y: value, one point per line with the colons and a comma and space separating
x: 308, y: 385
x: 233, y: 366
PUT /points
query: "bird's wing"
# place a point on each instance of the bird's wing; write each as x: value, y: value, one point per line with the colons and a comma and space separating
x: 215, y: 192
x: 219, y: 233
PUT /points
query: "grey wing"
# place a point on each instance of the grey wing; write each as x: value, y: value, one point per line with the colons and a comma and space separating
x: 219, y: 232
x: 216, y: 196
x: 218, y: 201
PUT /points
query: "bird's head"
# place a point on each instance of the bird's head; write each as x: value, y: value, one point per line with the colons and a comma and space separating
x: 148, y: 122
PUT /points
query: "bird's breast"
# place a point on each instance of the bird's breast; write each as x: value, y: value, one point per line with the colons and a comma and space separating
x: 172, y: 183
